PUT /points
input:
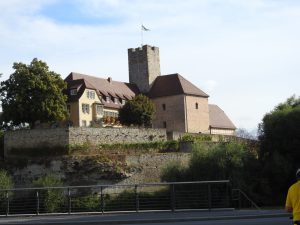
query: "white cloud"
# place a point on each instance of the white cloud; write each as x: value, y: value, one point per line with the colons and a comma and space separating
x: 243, y: 53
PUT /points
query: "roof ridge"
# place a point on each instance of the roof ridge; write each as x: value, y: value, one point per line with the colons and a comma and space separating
x: 101, y: 78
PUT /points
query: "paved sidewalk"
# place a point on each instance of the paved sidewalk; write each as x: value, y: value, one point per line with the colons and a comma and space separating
x: 143, y: 217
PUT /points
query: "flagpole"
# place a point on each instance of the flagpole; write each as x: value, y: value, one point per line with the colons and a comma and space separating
x: 142, y: 38
x: 143, y: 28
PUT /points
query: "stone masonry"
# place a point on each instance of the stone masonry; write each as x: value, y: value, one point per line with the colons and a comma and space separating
x: 60, y: 137
x: 144, y: 66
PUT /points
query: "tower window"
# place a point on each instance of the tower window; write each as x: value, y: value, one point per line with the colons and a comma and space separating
x: 165, y: 124
x: 164, y: 107
x: 196, y: 105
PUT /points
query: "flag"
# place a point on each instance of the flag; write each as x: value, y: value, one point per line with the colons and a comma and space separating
x: 144, y: 28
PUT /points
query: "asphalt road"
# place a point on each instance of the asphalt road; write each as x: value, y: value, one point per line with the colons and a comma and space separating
x: 240, y: 217
x: 260, y: 221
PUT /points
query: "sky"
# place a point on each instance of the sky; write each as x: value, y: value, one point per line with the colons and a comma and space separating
x: 243, y: 53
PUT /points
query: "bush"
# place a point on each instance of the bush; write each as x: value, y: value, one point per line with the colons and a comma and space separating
x: 5, y: 183
x: 196, y: 138
x: 232, y: 161
x: 173, y: 171
x: 90, y: 202
x: 51, y: 199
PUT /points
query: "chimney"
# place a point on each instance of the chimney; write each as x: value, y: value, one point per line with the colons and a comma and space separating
x: 109, y: 79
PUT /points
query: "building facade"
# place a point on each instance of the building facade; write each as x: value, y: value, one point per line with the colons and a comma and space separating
x: 180, y: 105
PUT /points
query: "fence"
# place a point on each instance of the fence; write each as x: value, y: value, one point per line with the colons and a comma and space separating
x: 116, y: 198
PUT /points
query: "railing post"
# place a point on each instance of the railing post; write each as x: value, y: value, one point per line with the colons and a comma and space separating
x: 7, y: 203
x: 69, y: 201
x: 209, y: 196
x: 37, y: 202
x: 101, y: 200
x: 240, y: 200
x: 172, y: 197
x: 137, y: 201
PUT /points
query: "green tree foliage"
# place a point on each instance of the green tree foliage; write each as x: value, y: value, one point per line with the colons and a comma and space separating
x: 33, y: 93
x: 5, y: 183
x: 280, y: 145
x: 233, y: 161
x: 139, y: 111
x: 51, y: 199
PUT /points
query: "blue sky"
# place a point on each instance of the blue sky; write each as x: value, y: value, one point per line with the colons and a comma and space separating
x: 243, y: 53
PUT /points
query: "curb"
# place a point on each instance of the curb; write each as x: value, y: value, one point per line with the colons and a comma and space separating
x: 163, y: 220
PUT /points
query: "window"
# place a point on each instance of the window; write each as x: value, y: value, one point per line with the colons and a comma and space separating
x: 73, y: 92
x: 111, y: 114
x: 86, y: 108
x: 115, y: 100
x: 196, y: 105
x: 99, y: 110
x: 107, y: 98
x: 123, y: 101
x: 84, y: 123
x: 90, y: 94
x: 164, y: 107
x: 165, y: 124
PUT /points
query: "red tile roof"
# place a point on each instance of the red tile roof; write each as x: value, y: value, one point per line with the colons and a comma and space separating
x: 174, y: 84
x: 218, y: 118
x: 102, y: 86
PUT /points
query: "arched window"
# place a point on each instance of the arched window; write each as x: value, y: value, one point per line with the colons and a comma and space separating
x: 196, y: 105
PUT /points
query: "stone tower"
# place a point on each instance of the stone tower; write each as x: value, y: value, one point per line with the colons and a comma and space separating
x: 144, y: 66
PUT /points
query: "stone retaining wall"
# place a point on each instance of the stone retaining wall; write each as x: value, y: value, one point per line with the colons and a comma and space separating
x: 60, y: 137
x: 114, y: 135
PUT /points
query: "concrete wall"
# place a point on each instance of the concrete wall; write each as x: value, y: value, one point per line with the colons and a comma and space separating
x: 39, y: 138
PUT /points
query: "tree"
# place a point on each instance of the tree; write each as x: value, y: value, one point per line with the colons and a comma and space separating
x: 280, y: 144
x: 243, y: 133
x: 139, y: 111
x: 33, y: 93
x: 280, y: 130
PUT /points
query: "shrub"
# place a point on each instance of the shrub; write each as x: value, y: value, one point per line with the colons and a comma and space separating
x: 196, y: 138
x: 90, y: 202
x: 51, y: 199
x: 5, y: 183
x: 174, y: 171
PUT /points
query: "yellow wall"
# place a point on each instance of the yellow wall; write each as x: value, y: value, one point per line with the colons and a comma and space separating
x: 88, y: 117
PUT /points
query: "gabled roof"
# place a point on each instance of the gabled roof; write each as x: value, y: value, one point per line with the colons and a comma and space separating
x: 106, y: 87
x: 174, y: 84
x: 218, y: 118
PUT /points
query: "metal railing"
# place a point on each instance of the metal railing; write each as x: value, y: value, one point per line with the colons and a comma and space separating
x: 241, y: 200
x: 116, y: 198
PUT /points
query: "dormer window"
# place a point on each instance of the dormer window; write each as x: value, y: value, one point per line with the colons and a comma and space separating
x: 107, y: 98
x: 115, y: 100
x: 123, y: 101
x: 73, y: 91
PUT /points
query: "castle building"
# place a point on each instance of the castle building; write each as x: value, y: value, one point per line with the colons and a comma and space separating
x: 180, y: 105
